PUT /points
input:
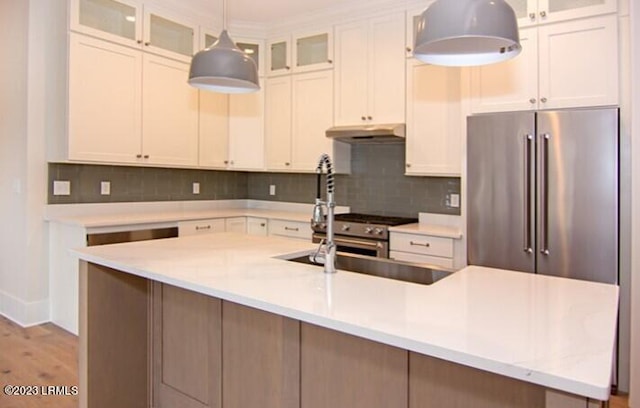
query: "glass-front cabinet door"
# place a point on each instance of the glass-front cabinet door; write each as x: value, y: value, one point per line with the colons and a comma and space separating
x: 168, y: 35
x: 252, y: 48
x: 278, y: 56
x: 313, y: 51
x: 547, y: 11
x: 119, y: 21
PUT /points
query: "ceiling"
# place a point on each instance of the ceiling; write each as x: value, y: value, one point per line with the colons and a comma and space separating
x: 274, y: 10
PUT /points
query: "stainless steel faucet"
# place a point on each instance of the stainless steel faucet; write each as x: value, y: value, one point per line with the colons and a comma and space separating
x: 318, y: 213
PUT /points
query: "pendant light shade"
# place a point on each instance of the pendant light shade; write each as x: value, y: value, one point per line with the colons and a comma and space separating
x: 467, y: 32
x: 223, y: 67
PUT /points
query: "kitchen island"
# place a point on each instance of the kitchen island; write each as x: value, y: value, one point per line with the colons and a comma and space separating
x: 225, y: 320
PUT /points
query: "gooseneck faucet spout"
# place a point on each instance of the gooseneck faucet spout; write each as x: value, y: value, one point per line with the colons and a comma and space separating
x: 330, y: 204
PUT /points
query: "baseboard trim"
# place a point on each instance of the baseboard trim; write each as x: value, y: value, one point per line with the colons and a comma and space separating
x: 25, y: 314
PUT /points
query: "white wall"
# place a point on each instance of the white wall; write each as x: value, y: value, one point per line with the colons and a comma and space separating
x: 635, y: 262
x: 23, y: 170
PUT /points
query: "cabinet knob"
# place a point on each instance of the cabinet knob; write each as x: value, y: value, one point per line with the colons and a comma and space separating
x: 287, y: 67
x: 369, y: 118
x: 532, y: 16
x: 408, y: 49
x: 330, y: 61
x: 262, y: 224
x: 532, y: 100
x: 147, y: 43
x: 146, y: 156
x: 138, y: 156
x: 363, y: 118
x: 139, y: 41
x: 287, y: 164
x: 408, y: 165
x: 231, y: 162
x: 543, y: 100
x: 543, y: 14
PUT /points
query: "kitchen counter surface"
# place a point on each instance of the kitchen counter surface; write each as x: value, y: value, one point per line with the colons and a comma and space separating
x: 428, y: 229
x: 551, y: 331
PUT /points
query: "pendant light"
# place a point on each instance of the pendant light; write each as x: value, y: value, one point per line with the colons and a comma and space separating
x: 223, y: 67
x: 467, y: 32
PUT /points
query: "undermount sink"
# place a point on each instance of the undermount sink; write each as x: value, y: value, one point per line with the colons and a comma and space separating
x: 385, y: 268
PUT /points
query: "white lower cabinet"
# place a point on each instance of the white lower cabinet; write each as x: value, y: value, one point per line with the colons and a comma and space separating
x: 199, y: 227
x: 291, y: 229
x: 257, y: 226
x: 434, y: 120
x: 417, y: 248
x: 236, y: 224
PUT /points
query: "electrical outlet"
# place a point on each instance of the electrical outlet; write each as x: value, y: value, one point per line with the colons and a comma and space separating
x: 272, y: 189
x: 105, y: 187
x: 196, y: 188
x: 454, y: 200
x: 61, y: 188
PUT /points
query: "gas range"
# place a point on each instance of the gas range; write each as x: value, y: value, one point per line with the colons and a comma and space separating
x: 365, y: 234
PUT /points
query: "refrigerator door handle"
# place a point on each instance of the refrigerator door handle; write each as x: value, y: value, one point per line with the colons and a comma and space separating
x: 544, y: 192
x: 528, y: 141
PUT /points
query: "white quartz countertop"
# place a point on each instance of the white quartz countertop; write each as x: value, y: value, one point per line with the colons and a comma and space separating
x: 551, y: 331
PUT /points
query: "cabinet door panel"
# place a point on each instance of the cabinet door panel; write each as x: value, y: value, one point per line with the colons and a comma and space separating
x: 572, y: 74
x: 246, y: 131
x: 433, y: 145
x: 351, y: 73
x: 104, y: 101
x: 509, y: 85
x: 187, y: 348
x: 214, y: 130
x: 117, y: 21
x: 170, y: 113
x: 312, y: 116
x: 278, y: 123
x: 169, y: 35
x: 387, y: 69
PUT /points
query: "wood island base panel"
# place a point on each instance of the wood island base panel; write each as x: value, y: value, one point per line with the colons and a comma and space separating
x: 162, y: 346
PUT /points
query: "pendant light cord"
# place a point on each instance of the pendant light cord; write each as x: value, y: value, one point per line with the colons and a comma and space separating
x: 224, y: 14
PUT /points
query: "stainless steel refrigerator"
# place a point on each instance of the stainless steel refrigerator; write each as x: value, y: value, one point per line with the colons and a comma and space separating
x: 543, y: 192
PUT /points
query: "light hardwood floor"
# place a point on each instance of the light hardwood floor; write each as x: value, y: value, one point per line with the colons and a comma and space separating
x: 48, y: 355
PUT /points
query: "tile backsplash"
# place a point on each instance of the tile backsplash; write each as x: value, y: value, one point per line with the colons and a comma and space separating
x: 377, y: 184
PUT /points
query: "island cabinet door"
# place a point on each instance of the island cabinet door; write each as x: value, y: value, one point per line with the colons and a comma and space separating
x: 186, y: 349
x: 339, y: 370
x: 260, y: 359
x: 435, y: 383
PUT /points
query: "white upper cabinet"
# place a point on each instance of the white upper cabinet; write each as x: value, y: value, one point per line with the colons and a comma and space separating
x: 246, y: 130
x: 253, y: 48
x: 129, y: 23
x: 302, y: 52
x: 549, y: 11
x: 278, y: 123
x: 105, y: 101
x: 118, y: 21
x: 213, y: 132
x: 434, y: 120
x: 568, y: 64
x: 370, y: 70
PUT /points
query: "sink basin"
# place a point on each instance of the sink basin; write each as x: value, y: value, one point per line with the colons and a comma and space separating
x: 385, y: 268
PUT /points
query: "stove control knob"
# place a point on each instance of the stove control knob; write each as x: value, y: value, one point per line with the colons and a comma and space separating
x: 346, y: 227
x: 378, y: 231
x: 368, y: 230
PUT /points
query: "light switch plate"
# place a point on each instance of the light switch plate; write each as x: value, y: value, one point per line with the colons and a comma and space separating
x: 105, y: 187
x: 61, y: 188
x: 454, y: 200
x: 196, y: 188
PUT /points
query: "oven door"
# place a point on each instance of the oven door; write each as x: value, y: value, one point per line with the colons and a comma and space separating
x: 353, y: 245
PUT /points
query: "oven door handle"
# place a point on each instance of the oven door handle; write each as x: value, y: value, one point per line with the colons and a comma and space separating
x: 356, y: 243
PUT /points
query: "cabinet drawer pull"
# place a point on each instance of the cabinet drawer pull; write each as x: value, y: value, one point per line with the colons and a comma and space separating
x: 426, y: 245
x: 291, y: 229
x: 202, y: 228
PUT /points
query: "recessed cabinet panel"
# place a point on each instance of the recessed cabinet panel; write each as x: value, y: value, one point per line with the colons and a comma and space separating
x: 118, y: 21
x: 351, y: 73
x: 108, y: 131
x: 509, y: 85
x: 572, y: 74
x: 312, y: 116
x: 246, y: 130
x: 214, y: 130
x: 170, y: 113
x: 278, y: 123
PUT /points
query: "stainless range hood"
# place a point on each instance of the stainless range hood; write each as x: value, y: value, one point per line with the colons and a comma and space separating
x: 385, y: 133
